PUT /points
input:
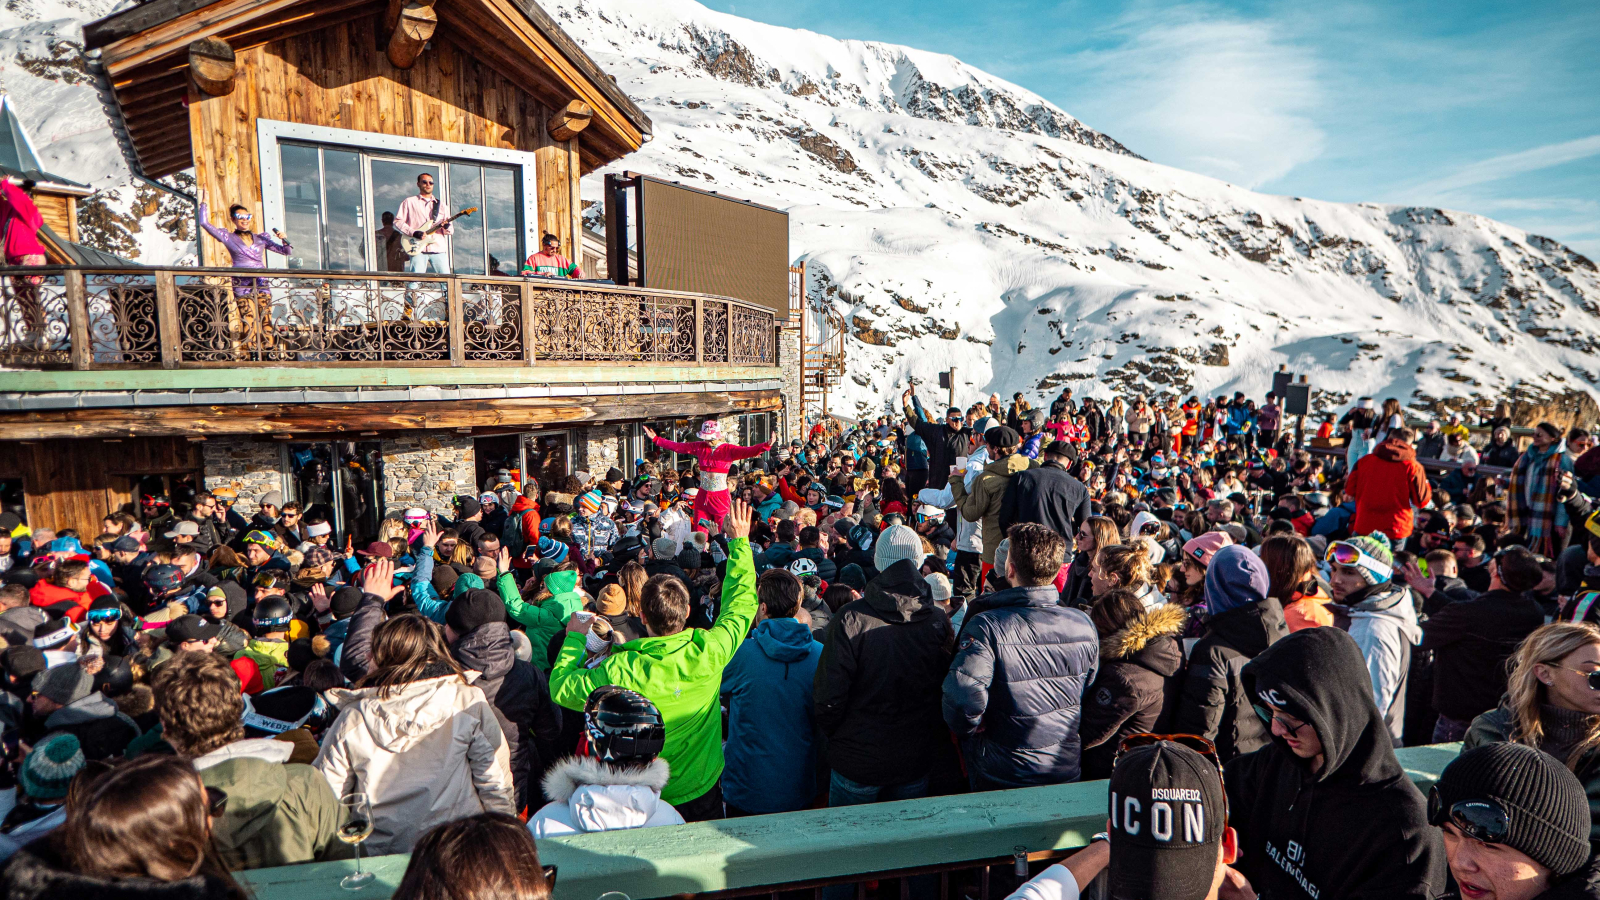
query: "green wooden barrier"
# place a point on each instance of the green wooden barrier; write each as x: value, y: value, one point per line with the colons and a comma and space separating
x: 761, y: 850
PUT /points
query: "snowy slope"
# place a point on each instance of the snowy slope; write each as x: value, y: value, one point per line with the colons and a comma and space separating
x: 957, y: 219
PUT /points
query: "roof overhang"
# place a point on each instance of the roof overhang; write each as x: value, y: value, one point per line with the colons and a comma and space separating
x: 144, y: 56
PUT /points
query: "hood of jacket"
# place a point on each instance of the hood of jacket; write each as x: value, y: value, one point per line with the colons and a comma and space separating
x: 1008, y: 466
x: 899, y: 594
x: 1319, y: 676
x: 604, y: 797
x: 1252, y: 628
x: 414, y: 711
x: 1390, y: 602
x: 1140, y: 641
x: 486, y: 649
x: 88, y: 709
x: 36, y: 872
x: 269, y: 750
x: 523, y: 504
x: 1395, y: 450
x: 784, y: 640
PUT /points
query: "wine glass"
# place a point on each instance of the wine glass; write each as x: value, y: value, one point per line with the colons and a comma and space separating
x: 355, y: 828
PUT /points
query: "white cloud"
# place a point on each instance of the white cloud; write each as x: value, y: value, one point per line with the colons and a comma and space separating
x: 1206, y: 91
x: 1504, y: 166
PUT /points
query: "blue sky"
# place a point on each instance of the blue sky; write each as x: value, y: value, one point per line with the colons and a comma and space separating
x: 1489, y: 107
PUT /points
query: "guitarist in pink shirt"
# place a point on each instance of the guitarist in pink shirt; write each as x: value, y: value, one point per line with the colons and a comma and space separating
x: 417, y: 216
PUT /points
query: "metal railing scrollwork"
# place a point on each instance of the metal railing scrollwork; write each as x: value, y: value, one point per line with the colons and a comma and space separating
x: 139, y: 317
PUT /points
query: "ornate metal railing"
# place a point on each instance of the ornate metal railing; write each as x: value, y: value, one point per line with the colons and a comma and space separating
x: 90, y: 318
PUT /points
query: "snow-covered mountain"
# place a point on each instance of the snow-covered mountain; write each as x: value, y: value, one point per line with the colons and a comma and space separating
x: 955, y: 219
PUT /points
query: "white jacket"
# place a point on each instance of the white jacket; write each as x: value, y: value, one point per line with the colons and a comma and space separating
x: 430, y: 752
x: 969, y: 535
x: 1382, y: 624
x: 593, y: 795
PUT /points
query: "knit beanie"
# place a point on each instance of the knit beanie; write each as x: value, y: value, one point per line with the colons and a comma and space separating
x: 347, y: 599
x: 1375, y: 545
x: 897, y: 542
x: 939, y: 583
x: 1236, y: 578
x: 589, y: 503
x: 65, y: 684
x: 852, y: 575
x: 1544, y: 801
x: 48, y: 769
x: 613, y: 601
x: 473, y: 610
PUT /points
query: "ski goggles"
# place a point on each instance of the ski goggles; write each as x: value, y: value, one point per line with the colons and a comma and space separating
x: 104, y: 615
x: 1485, y: 821
x: 1341, y: 553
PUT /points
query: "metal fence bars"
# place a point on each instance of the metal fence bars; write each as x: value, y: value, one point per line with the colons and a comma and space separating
x: 82, y: 318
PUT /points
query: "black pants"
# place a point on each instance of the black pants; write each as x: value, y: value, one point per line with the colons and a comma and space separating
x: 968, y: 569
x: 703, y: 808
x: 916, y: 480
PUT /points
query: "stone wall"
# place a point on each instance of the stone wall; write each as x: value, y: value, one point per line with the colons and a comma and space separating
x: 427, y: 469
x: 248, y: 466
x: 596, y: 449
x: 791, y: 419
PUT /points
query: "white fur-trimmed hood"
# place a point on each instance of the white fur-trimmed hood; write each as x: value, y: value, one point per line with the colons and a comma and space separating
x: 566, y: 776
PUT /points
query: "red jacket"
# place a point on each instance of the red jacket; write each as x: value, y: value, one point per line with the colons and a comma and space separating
x: 1386, y: 484
x: 46, y: 594
x: 20, y: 221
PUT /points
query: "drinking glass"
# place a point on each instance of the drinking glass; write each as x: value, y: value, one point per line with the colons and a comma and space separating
x: 355, y: 828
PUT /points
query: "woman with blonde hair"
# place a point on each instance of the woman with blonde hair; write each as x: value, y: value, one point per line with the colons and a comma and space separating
x: 1552, y: 703
x: 1126, y: 566
x: 415, y: 736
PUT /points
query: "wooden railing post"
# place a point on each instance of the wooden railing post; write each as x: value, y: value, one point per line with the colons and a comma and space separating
x: 167, y: 318
x: 78, y: 320
x: 699, y: 330
x: 529, y: 354
x: 458, y: 350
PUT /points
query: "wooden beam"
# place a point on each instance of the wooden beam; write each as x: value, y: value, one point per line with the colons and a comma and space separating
x: 415, y: 27
x: 302, y: 419
x: 150, y: 45
x: 212, y: 64
x: 567, y: 121
x: 169, y: 84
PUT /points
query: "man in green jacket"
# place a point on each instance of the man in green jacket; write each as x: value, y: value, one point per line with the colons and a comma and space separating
x: 277, y: 813
x: 678, y: 670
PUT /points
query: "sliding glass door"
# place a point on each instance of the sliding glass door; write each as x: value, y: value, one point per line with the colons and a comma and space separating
x: 340, y: 204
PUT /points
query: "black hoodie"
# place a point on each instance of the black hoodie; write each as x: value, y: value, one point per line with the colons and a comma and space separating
x: 1214, y: 703
x: 1357, y: 827
x: 521, y: 700
x: 879, y: 681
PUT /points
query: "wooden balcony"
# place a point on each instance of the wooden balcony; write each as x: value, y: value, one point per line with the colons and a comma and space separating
x: 90, y: 319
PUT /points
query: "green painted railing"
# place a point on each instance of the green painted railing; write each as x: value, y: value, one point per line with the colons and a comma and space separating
x: 791, y: 847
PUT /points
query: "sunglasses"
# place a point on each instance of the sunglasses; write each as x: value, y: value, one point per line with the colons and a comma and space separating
x: 1485, y: 821
x: 1593, y: 676
x: 243, y: 216
x: 426, y: 183
x: 1268, y: 715
x: 216, y: 801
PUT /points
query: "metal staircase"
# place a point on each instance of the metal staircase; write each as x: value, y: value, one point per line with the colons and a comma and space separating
x: 822, y: 334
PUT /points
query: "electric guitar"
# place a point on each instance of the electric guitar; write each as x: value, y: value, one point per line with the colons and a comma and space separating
x: 411, y: 246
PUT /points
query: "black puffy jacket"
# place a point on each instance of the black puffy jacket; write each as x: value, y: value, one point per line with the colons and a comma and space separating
x: 520, y: 697
x: 1356, y: 827
x: 1138, y: 686
x: 1214, y: 704
x: 877, y: 685
x: 1014, y: 690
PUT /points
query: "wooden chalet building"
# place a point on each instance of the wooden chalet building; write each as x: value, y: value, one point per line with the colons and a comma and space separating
x: 332, y: 378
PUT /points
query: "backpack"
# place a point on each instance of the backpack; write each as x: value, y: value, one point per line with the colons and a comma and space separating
x: 511, y: 534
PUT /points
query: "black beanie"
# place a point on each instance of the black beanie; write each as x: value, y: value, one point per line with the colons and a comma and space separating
x: 473, y: 610
x: 345, y: 601
x: 467, y: 508
x: 1544, y: 801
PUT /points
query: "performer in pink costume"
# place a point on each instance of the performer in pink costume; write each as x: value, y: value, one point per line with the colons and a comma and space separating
x: 714, y: 455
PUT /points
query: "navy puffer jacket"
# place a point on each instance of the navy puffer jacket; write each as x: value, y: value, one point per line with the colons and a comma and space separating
x: 1012, y: 695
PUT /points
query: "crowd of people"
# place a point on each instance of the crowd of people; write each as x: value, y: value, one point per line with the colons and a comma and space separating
x: 1232, y: 621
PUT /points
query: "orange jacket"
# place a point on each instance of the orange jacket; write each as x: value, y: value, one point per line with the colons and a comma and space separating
x: 1308, y: 612
x: 1386, y: 484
